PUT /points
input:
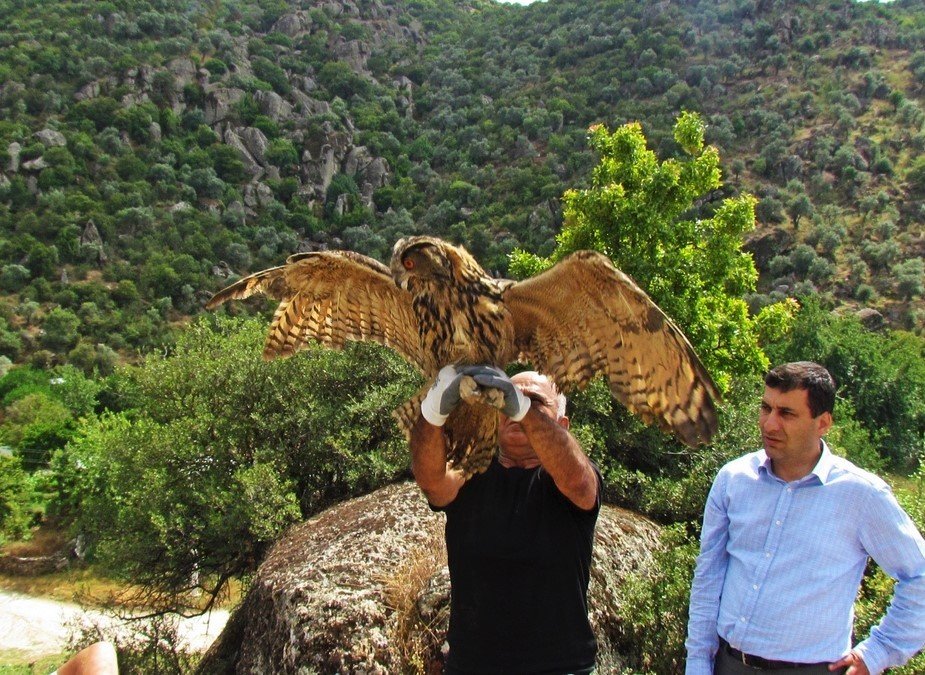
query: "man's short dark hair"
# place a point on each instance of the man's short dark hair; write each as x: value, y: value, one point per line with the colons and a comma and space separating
x: 807, y: 375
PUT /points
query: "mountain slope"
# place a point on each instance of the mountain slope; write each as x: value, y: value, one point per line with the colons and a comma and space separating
x: 156, y: 149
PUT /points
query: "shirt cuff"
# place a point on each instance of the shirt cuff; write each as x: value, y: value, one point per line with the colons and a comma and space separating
x: 875, y: 656
x: 698, y: 666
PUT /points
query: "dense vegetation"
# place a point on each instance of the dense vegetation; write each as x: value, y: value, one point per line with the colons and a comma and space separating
x: 152, y: 149
x: 155, y: 151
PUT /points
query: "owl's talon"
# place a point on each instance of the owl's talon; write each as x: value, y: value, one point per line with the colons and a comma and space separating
x: 469, y: 390
x: 493, y: 397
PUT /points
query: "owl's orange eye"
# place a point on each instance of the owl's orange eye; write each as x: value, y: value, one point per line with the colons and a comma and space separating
x: 408, y: 263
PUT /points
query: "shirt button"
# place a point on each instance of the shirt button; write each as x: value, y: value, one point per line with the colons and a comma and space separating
x: 789, y: 489
x: 767, y: 554
x: 778, y: 522
x: 755, y: 586
x: 742, y: 619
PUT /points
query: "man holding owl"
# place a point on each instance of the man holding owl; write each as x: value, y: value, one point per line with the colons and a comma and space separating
x: 519, y: 535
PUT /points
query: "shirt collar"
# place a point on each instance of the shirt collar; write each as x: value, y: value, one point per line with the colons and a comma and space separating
x: 821, y: 471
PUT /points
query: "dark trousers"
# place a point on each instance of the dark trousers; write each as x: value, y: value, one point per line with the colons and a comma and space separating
x: 726, y: 664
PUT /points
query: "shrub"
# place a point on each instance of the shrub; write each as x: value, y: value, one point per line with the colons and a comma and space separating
x: 224, y: 451
x: 654, y: 605
x: 16, y: 495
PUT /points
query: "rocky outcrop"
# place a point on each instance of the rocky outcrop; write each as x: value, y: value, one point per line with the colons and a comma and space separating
x: 251, y: 164
x: 183, y: 70
x: 219, y: 102
x: 92, y: 242
x: 258, y: 194
x: 13, y: 150
x: 766, y: 245
x: 363, y: 588
x: 291, y: 24
x: 273, y: 105
x: 35, y: 165
x: 51, y: 138
x: 88, y: 91
x: 871, y: 319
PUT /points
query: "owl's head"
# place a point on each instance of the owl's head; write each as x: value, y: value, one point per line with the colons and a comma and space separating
x: 423, y: 258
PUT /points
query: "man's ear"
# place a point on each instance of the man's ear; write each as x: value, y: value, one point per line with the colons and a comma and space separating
x: 564, y: 422
x: 825, y: 423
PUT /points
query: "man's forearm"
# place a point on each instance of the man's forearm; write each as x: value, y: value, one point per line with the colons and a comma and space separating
x: 428, y: 464
x: 562, y: 457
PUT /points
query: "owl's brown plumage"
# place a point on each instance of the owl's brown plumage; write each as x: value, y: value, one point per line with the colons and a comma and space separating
x: 436, y: 306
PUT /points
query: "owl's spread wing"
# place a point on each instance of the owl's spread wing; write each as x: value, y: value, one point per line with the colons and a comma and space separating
x: 332, y: 297
x: 584, y: 318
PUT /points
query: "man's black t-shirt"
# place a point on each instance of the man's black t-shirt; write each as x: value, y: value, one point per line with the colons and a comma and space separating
x: 519, y: 558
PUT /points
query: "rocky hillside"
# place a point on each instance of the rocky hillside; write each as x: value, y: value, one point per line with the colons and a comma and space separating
x: 157, y: 149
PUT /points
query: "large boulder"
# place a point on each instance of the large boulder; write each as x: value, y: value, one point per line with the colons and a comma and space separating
x: 13, y: 150
x: 51, y: 138
x: 765, y: 245
x: 291, y: 24
x: 219, y: 103
x: 251, y: 164
x: 363, y: 588
x: 273, y: 105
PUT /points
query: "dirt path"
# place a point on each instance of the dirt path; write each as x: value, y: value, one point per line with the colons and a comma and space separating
x: 36, y: 626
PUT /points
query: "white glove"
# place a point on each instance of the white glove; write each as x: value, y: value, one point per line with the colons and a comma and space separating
x: 442, y: 397
x: 516, y: 405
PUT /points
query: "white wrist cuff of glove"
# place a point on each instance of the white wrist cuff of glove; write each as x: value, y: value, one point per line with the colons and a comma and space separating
x: 430, y: 411
x: 524, y: 408
x: 430, y: 405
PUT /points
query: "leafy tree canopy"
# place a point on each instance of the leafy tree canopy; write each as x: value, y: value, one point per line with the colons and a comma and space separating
x: 643, y: 213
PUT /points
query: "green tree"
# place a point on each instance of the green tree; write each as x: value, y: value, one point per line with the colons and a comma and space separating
x: 60, y: 329
x: 882, y: 374
x: 225, y: 450
x: 16, y: 495
x: 35, y: 425
x: 638, y: 211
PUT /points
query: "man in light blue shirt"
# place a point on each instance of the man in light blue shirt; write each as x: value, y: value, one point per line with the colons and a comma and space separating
x: 787, y: 532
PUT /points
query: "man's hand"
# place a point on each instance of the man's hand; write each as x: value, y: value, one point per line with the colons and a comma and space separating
x: 853, y: 662
x: 516, y: 404
x: 442, y: 397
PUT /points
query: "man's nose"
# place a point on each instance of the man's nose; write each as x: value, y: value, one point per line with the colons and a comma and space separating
x: 770, y: 422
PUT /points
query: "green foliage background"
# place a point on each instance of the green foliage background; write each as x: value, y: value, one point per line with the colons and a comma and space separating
x: 215, y: 453
x: 754, y: 165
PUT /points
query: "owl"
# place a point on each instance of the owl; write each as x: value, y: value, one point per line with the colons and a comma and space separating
x: 436, y: 306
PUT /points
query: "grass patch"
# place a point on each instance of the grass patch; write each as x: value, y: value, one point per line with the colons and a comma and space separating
x: 83, y: 584
x: 414, y: 638
x: 74, y: 585
x: 21, y: 662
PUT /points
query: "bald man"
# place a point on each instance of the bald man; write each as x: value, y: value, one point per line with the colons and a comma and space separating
x: 518, y: 536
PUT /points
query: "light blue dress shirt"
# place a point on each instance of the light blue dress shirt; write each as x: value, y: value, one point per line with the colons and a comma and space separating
x: 780, y: 565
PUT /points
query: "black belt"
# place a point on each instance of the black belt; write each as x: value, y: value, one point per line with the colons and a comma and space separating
x: 762, y: 663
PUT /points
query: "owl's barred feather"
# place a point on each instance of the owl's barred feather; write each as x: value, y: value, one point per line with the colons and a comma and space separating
x: 436, y: 306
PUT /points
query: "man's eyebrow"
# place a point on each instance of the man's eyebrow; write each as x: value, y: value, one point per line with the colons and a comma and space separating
x: 536, y: 396
x: 780, y: 408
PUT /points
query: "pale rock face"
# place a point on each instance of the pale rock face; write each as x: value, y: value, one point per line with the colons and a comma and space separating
x: 183, y: 70
x: 51, y: 138
x: 291, y: 24
x: 251, y: 165
x: 273, y: 105
x: 88, y: 91
x: 13, y: 150
x: 35, y: 165
x: 348, y: 590
x: 219, y: 102
x: 256, y: 143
